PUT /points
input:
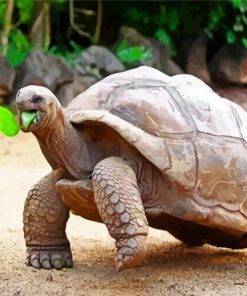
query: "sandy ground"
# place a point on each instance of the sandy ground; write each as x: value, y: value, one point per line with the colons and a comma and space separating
x: 169, y: 268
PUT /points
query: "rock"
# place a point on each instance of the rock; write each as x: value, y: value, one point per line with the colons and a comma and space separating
x: 229, y: 64
x: 161, y: 58
x: 134, y: 38
x: 98, y: 62
x: 7, y: 77
x: 50, y: 71
x: 49, y: 278
x: 192, y: 56
x: 45, y: 70
x: 70, y: 90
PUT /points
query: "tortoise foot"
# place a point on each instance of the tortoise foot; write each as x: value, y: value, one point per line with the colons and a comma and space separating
x: 56, y: 257
x: 131, y: 252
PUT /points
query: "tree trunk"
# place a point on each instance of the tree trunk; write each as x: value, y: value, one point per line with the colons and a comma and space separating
x: 7, y: 26
x: 40, y: 34
x: 98, y: 22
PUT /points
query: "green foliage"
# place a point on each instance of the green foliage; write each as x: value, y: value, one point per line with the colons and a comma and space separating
x: 133, y: 54
x: 169, y: 20
x: 215, y: 18
x: 19, y: 48
x: 166, y: 39
x: 8, y: 124
x: 136, y: 16
x: 68, y: 56
x: 19, y: 40
x: 2, y: 10
x: 166, y: 21
x: 236, y: 3
x: 230, y: 37
x: 244, y: 42
x: 229, y: 19
x: 25, y: 8
x: 239, y: 27
x: 57, y: 3
x: 161, y: 24
x: 167, y: 17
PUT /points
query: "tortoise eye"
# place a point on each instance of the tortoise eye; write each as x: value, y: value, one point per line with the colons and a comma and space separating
x: 37, y: 99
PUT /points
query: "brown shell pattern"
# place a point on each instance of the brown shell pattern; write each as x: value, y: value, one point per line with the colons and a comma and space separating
x: 205, y: 135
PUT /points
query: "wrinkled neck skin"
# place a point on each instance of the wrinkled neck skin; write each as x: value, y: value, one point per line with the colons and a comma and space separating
x: 66, y: 146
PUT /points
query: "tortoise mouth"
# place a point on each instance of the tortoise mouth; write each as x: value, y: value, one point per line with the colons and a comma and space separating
x: 30, y: 120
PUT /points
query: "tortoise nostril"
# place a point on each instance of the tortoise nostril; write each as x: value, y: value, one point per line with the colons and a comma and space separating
x: 37, y: 99
x: 19, y: 103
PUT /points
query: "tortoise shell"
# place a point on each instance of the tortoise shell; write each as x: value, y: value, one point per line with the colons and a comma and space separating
x: 197, y: 139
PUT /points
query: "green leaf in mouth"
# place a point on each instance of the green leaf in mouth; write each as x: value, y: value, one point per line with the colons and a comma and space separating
x: 27, y: 118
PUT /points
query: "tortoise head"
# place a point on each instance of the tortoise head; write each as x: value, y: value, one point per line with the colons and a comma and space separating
x: 37, y: 108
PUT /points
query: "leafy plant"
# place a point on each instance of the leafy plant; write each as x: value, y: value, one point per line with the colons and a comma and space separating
x: 160, y: 25
x: 25, y: 8
x: 229, y: 19
x: 57, y: 3
x: 216, y: 16
x: 2, y: 10
x: 133, y: 54
x: 19, y: 48
x: 169, y: 21
x: 8, y: 124
x: 166, y: 39
x: 68, y: 56
x: 239, y: 27
x: 166, y: 21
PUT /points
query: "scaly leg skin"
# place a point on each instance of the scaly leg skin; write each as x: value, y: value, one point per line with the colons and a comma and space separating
x: 120, y: 206
x: 45, y: 216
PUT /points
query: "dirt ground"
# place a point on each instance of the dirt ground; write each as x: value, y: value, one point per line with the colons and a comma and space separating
x: 169, y: 268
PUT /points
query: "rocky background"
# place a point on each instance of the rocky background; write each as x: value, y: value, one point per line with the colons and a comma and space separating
x: 225, y: 71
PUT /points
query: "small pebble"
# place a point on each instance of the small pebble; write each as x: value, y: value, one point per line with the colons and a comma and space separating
x: 49, y: 278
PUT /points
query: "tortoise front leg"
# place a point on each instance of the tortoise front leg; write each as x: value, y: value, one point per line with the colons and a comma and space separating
x: 120, y: 206
x: 45, y: 216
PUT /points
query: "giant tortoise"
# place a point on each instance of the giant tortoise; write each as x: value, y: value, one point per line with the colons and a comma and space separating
x: 137, y: 149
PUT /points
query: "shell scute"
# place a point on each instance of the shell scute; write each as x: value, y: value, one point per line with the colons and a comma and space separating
x: 187, y: 131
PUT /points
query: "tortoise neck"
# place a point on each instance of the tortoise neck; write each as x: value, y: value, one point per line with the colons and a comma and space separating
x: 66, y: 145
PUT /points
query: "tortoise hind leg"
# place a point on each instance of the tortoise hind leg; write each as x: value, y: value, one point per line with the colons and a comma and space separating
x: 120, y: 206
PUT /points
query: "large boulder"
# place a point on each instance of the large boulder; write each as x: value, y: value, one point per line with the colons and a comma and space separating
x: 192, y: 56
x: 68, y: 91
x: 7, y: 77
x: 45, y: 70
x: 52, y: 72
x: 98, y: 62
x: 229, y: 64
x: 161, y: 57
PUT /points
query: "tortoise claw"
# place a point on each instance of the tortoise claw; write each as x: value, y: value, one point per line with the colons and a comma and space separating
x: 130, y: 255
x: 48, y: 259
